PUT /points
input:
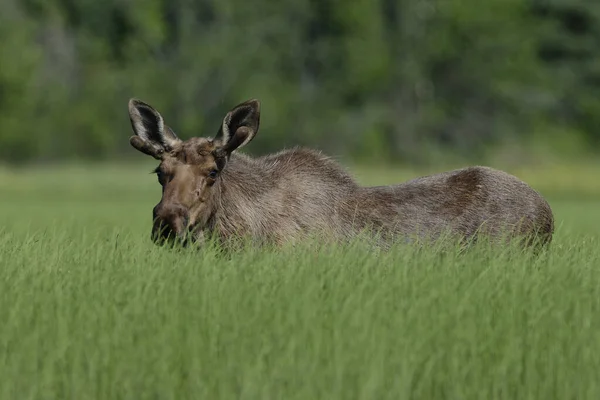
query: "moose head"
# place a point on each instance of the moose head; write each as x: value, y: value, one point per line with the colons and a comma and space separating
x: 188, y: 169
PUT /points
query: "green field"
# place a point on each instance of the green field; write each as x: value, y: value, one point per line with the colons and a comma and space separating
x: 91, y: 309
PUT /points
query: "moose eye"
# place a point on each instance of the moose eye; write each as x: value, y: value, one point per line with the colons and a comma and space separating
x: 212, y: 174
x: 158, y: 173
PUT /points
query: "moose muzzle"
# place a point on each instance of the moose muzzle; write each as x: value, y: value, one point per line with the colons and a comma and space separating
x: 170, y: 223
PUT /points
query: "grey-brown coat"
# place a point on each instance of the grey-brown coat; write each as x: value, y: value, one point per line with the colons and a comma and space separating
x: 210, y: 188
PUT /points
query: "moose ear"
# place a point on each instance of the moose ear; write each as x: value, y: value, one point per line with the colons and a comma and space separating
x: 152, y: 136
x: 240, y: 125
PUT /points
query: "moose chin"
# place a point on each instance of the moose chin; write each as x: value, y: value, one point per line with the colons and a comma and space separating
x: 209, y: 188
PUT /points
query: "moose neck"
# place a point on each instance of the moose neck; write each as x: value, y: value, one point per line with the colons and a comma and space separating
x: 243, y: 178
x: 236, y: 199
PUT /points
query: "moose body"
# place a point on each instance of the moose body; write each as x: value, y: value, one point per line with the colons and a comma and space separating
x: 209, y: 188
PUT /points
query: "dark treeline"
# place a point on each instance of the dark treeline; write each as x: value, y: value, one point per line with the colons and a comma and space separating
x: 378, y: 79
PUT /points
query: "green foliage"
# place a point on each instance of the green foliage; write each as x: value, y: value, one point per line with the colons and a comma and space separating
x: 417, y: 78
x: 92, y: 309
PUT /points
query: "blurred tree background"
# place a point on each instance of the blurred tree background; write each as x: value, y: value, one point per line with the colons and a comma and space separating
x: 409, y: 81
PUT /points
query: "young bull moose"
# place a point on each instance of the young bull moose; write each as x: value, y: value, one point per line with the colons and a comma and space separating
x: 209, y: 188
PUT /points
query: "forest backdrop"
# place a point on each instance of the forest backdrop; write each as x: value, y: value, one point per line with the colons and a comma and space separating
x: 374, y: 80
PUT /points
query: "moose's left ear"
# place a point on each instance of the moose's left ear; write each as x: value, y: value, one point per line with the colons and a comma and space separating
x: 240, y: 125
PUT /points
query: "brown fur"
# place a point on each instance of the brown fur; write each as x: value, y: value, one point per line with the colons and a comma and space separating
x: 299, y: 192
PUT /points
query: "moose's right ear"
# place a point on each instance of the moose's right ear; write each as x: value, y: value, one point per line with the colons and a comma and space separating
x: 152, y: 136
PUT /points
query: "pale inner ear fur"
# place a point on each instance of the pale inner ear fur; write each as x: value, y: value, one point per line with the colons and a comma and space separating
x: 240, y: 125
x: 225, y: 133
x: 149, y: 126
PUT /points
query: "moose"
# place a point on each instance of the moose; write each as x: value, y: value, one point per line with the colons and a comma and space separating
x: 209, y: 188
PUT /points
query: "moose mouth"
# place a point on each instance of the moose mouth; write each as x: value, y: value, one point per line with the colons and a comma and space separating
x: 163, y: 235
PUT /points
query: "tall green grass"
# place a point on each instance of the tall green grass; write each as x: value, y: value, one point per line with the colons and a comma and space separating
x: 92, y: 310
